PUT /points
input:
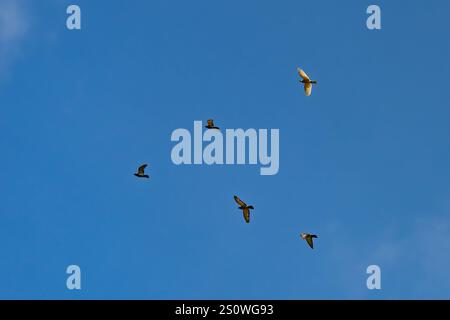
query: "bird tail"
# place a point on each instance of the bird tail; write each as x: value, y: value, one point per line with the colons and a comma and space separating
x: 251, y: 207
x: 313, y: 236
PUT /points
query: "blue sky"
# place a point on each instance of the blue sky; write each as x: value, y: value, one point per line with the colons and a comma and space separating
x: 364, y: 161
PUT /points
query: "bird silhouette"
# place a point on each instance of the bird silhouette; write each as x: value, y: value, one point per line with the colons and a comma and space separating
x: 211, y: 125
x: 244, y: 207
x: 141, y: 173
x: 306, y: 81
x: 309, y: 238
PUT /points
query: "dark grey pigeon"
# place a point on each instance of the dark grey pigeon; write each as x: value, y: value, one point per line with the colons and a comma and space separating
x: 141, y: 173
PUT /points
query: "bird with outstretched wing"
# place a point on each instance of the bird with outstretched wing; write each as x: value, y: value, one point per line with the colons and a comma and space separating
x: 307, y: 82
x: 244, y: 207
x: 210, y: 124
x: 141, y: 172
x: 308, y: 238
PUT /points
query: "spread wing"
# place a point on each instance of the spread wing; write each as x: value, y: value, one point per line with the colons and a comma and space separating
x: 308, y: 88
x: 302, y: 74
x: 210, y: 123
x: 246, y: 212
x: 310, y: 241
x: 141, y: 169
x: 239, y: 201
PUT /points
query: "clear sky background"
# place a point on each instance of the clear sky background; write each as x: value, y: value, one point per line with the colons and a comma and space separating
x: 364, y: 161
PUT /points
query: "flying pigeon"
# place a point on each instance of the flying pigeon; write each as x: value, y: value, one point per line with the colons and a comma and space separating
x: 306, y: 81
x: 141, y: 173
x: 245, y: 208
x: 309, y: 238
x: 211, y: 125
